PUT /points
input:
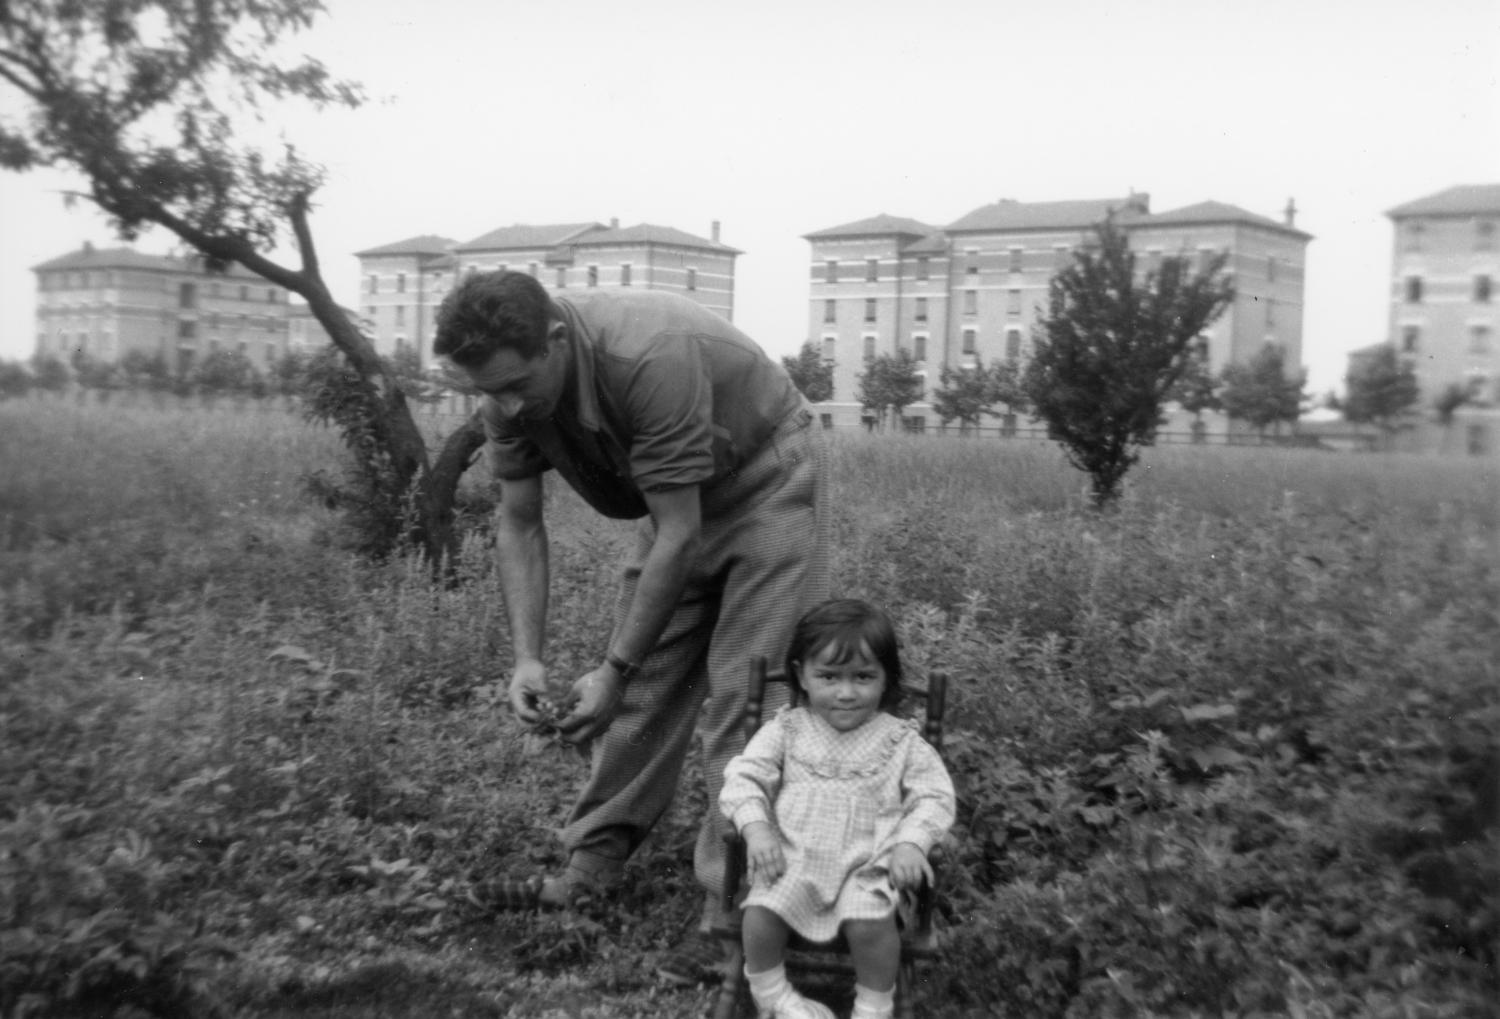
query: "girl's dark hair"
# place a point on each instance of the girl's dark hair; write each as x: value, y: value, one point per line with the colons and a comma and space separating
x: 489, y: 311
x: 849, y: 626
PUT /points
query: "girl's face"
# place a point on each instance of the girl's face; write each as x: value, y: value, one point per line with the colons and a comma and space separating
x: 845, y: 695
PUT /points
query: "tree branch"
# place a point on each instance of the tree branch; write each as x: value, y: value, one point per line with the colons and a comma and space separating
x: 297, y: 212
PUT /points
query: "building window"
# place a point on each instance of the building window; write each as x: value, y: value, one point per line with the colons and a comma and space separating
x: 1061, y: 254
x: 562, y: 277
x: 533, y: 269
x: 869, y: 309
x: 924, y: 267
x: 593, y: 276
x: 830, y: 347
x: 872, y: 270
x: 1013, y: 302
x: 1413, y: 236
x: 1015, y: 260
x: 1482, y: 289
x: 971, y: 302
x: 1413, y: 290
x: 919, y: 348
x: 971, y: 341
x: 869, y: 348
x: 692, y: 279
x: 831, y: 271
x: 400, y: 282
x: 1411, y: 339
x: 830, y: 310
x: 1479, y: 339
x: 373, y: 282
x: 270, y: 353
x: 1270, y: 312
x: 1484, y: 235
x: 400, y: 315
x: 187, y: 295
x: 1270, y: 268
x: 625, y: 275
x: 921, y: 312
x: 187, y: 329
x: 1012, y: 344
x: 972, y: 269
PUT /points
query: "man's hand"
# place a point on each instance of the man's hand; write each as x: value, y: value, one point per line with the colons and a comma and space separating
x: 598, y: 695
x: 909, y: 867
x: 763, y: 853
x: 528, y: 687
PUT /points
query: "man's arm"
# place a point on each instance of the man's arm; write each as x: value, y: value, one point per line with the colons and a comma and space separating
x: 678, y: 516
x: 521, y: 559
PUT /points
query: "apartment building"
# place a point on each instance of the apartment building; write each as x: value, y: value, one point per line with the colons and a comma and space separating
x: 973, y: 290
x: 404, y: 282
x: 1444, y: 308
x: 107, y: 302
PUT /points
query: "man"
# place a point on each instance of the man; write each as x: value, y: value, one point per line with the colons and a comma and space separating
x: 650, y: 407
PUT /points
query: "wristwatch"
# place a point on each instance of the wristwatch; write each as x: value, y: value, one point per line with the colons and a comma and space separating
x: 627, y: 670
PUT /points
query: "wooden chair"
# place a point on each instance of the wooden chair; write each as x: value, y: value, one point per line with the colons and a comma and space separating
x: 918, y: 942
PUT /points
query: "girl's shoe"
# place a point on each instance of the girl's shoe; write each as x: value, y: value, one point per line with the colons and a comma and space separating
x: 794, y: 1006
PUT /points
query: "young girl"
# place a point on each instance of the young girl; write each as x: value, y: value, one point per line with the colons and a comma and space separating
x: 838, y: 802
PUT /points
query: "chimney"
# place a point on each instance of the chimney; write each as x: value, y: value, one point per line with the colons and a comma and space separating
x: 1291, y: 212
x: 1140, y: 201
x: 614, y: 222
x: 88, y: 247
x: 713, y: 231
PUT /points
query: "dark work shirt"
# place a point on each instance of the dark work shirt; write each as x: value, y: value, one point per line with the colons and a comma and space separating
x: 664, y: 393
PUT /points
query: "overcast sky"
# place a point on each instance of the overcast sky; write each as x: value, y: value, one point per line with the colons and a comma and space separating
x: 780, y: 117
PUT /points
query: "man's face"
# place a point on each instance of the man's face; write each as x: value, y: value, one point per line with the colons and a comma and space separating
x: 524, y: 388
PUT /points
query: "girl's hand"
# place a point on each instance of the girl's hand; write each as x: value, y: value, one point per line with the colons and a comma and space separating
x: 763, y: 853
x: 909, y: 867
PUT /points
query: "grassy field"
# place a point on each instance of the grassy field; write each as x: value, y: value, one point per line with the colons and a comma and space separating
x: 1233, y: 750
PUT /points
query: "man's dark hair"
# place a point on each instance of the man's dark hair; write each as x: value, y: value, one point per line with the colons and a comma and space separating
x: 489, y: 311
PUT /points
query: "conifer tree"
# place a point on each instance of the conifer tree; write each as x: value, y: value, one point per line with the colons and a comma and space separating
x: 1110, y: 349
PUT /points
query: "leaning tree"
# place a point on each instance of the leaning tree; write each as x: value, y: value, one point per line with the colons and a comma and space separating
x: 153, y: 103
x: 1111, y: 349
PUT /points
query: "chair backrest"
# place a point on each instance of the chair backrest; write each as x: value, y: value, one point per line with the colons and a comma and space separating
x: 935, y: 694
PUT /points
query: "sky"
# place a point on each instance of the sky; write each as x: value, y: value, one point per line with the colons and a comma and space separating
x: 781, y: 117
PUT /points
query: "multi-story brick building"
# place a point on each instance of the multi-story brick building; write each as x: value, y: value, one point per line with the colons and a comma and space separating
x: 972, y: 291
x: 108, y: 302
x: 403, y: 283
x: 1445, y: 308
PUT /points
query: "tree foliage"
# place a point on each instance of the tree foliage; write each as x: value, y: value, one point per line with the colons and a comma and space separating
x: 50, y: 373
x: 889, y: 385
x: 1262, y: 393
x: 964, y: 395
x: 1197, y: 388
x: 156, y: 104
x: 15, y: 380
x: 1112, y: 347
x: 811, y: 374
x: 1381, y: 389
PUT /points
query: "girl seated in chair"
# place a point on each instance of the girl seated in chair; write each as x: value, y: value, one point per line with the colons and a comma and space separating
x: 838, y: 802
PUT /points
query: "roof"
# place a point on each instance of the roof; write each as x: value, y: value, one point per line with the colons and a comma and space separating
x: 525, y: 236
x: 647, y: 233
x: 875, y: 226
x: 422, y: 244
x: 1009, y: 214
x: 1215, y: 212
x: 1462, y: 200
x: 90, y: 257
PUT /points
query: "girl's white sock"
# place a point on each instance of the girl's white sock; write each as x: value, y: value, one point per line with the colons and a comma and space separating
x: 768, y: 986
x: 871, y: 1004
